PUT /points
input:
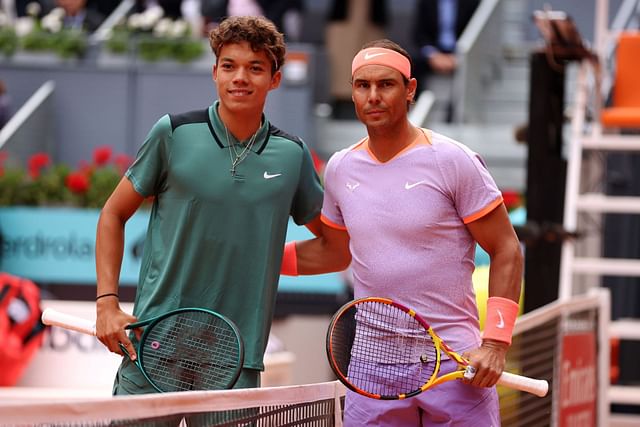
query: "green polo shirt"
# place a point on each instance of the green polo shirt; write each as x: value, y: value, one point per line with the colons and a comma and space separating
x: 215, y: 240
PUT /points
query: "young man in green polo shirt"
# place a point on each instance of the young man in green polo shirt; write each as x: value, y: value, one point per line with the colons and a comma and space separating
x: 224, y: 182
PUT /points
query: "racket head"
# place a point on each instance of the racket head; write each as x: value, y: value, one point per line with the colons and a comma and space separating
x: 190, y: 349
x: 382, y: 349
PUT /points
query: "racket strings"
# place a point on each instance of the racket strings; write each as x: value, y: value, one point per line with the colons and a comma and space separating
x: 191, y: 351
x: 382, y: 349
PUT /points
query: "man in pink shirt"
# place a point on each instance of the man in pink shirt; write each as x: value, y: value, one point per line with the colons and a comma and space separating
x: 405, y: 207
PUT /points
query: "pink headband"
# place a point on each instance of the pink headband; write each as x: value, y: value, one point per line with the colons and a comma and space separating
x: 381, y: 56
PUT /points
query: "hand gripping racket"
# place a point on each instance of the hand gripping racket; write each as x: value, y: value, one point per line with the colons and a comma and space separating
x: 384, y: 350
x: 184, y: 349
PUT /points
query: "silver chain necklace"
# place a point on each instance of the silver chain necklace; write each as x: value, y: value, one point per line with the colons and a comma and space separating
x: 239, y: 156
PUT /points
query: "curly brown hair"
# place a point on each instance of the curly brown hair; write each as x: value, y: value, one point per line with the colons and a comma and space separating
x: 259, y: 32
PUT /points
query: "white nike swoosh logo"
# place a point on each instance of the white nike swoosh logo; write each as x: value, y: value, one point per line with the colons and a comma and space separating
x: 500, y: 324
x: 408, y: 186
x: 369, y: 55
x: 269, y: 176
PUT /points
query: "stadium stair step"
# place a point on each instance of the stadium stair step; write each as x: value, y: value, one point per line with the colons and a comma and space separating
x: 624, y: 420
x: 607, y: 266
x: 593, y: 202
x: 624, y: 395
x: 625, y: 329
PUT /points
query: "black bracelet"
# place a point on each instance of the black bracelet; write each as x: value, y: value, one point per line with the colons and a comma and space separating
x: 110, y: 294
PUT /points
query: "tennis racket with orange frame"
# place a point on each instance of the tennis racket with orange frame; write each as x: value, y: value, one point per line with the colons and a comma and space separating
x: 384, y: 350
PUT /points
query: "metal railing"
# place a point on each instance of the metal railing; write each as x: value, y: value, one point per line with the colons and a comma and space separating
x: 479, y: 56
x: 420, y: 112
x: 120, y: 12
x: 30, y: 129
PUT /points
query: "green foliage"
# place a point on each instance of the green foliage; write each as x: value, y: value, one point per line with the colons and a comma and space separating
x: 67, y: 43
x: 102, y: 182
x: 38, y: 41
x: 18, y: 188
x: 187, y: 50
x: 43, y: 184
x: 8, y: 41
x: 12, y: 183
x: 70, y: 43
x: 183, y: 49
x: 152, y: 49
x: 119, y: 41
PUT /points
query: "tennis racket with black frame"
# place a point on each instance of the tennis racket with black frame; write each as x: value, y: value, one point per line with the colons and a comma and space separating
x: 384, y: 350
x: 181, y: 350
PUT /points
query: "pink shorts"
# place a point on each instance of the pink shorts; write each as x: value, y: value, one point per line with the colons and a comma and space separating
x: 453, y: 403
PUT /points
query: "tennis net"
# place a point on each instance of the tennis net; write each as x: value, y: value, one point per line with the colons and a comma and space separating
x: 565, y: 343
x: 312, y: 405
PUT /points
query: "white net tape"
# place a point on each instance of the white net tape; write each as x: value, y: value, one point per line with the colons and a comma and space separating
x: 293, y: 404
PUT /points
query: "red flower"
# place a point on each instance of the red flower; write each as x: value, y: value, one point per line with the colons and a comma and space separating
x: 511, y: 199
x: 37, y: 162
x: 77, y: 182
x: 122, y: 162
x: 3, y: 158
x: 318, y: 163
x: 102, y: 155
x: 85, y: 168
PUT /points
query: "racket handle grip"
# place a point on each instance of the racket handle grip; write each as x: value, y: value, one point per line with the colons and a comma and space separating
x: 53, y: 317
x: 522, y: 383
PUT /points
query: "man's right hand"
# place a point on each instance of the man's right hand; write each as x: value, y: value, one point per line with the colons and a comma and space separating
x: 110, y: 326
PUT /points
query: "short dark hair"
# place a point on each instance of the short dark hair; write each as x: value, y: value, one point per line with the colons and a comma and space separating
x: 259, y: 32
x: 391, y: 45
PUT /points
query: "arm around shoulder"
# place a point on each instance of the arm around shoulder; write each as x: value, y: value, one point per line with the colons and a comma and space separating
x: 326, y: 253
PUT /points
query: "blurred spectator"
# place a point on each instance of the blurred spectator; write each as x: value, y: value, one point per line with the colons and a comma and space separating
x: 285, y: 14
x: 214, y: 11
x: 8, y: 8
x: 105, y: 7
x: 350, y: 25
x: 437, y: 26
x: 5, y: 105
x: 185, y: 10
x: 172, y: 8
x: 79, y: 16
x: 16, y: 8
